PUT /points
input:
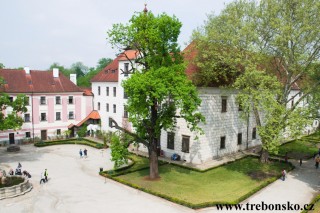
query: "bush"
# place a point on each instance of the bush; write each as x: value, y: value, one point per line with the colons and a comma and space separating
x: 11, y: 181
x: 70, y: 141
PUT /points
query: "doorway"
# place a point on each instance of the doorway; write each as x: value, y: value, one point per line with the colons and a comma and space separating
x: 11, y: 138
x: 43, y: 135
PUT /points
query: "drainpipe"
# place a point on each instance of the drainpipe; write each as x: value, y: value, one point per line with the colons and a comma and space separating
x: 248, y: 130
x: 32, y: 116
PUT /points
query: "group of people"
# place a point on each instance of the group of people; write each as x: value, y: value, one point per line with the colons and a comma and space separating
x: 19, y: 171
x: 44, y: 176
x: 83, y: 153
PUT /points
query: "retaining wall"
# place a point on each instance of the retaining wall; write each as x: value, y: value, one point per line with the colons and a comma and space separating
x: 13, y: 191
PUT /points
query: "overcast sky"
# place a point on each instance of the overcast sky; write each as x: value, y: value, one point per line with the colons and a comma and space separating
x: 36, y: 33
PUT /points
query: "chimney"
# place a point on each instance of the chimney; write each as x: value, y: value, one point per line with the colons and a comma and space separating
x: 27, y: 70
x: 55, y: 72
x: 73, y: 78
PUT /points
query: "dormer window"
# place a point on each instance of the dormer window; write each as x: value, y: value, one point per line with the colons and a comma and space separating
x: 126, y: 69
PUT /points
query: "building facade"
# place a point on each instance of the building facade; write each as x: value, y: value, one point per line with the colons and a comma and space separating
x: 54, y: 102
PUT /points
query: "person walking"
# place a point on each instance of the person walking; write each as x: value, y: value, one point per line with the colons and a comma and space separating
x: 284, y: 174
x: 85, y: 152
x: 42, y: 178
x: 46, y: 175
x: 317, y: 162
x: 80, y: 152
x: 300, y: 161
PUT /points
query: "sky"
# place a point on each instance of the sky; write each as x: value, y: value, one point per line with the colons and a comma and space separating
x: 37, y: 33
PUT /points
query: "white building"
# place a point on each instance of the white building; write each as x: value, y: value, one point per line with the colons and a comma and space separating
x: 224, y: 131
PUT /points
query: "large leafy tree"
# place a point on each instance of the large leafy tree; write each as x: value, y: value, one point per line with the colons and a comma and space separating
x: 280, y: 37
x: 11, y: 119
x: 159, y: 91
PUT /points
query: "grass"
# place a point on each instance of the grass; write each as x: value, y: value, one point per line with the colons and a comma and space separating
x: 230, y: 183
x: 70, y: 141
x: 137, y: 163
x: 305, y: 147
x: 11, y: 181
x: 316, y: 205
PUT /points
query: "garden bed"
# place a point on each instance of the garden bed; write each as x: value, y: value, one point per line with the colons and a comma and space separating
x: 227, y: 184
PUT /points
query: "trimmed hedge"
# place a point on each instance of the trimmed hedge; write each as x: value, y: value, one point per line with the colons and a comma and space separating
x: 70, y: 141
x: 189, y: 204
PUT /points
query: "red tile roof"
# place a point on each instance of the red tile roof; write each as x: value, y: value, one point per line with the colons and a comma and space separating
x: 87, y: 91
x: 108, y: 74
x: 111, y: 72
x: 128, y: 55
x: 17, y: 81
x: 93, y: 115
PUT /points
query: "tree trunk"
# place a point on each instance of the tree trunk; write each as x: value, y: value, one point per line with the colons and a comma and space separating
x: 264, y: 156
x: 153, y: 160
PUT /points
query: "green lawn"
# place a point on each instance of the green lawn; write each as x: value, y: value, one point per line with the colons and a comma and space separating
x: 138, y: 163
x: 305, y: 147
x: 226, y: 184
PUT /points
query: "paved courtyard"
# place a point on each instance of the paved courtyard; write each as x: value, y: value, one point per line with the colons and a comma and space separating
x: 75, y: 186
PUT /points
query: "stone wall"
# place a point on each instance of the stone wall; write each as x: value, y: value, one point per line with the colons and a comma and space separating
x: 13, y: 191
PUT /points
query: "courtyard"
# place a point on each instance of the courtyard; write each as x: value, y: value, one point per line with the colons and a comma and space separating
x: 75, y: 186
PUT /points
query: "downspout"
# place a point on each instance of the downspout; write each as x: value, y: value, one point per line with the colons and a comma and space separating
x: 248, y: 130
x: 32, y: 116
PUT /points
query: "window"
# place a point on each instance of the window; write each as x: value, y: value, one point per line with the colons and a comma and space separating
x: 126, y: 69
x: 27, y: 99
x: 114, y: 108
x: 98, y: 105
x: 223, y: 142
x: 223, y: 104
x: 113, y: 71
x: 125, y: 112
x: 70, y: 100
x: 58, y: 116
x: 43, y: 117
x: 239, y: 138
x: 11, y: 99
x: 58, y: 100
x: 71, y: 115
x: 58, y: 131
x: 107, y: 107
x: 185, y: 143
x: 254, y: 133
x: 27, y: 117
x: 114, y: 91
x: 125, y: 96
x: 170, y: 140
x: 42, y: 100
x: 99, y: 91
x: 28, y: 135
x: 107, y: 91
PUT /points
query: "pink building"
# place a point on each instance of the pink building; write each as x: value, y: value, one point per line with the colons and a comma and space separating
x: 55, y: 102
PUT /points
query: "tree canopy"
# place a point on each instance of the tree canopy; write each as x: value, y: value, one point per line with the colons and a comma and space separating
x: 159, y: 91
x: 13, y: 108
x: 279, y: 37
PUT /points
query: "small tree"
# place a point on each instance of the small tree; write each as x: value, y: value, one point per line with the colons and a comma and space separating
x: 11, y: 120
x: 82, y: 132
x: 67, y: 133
